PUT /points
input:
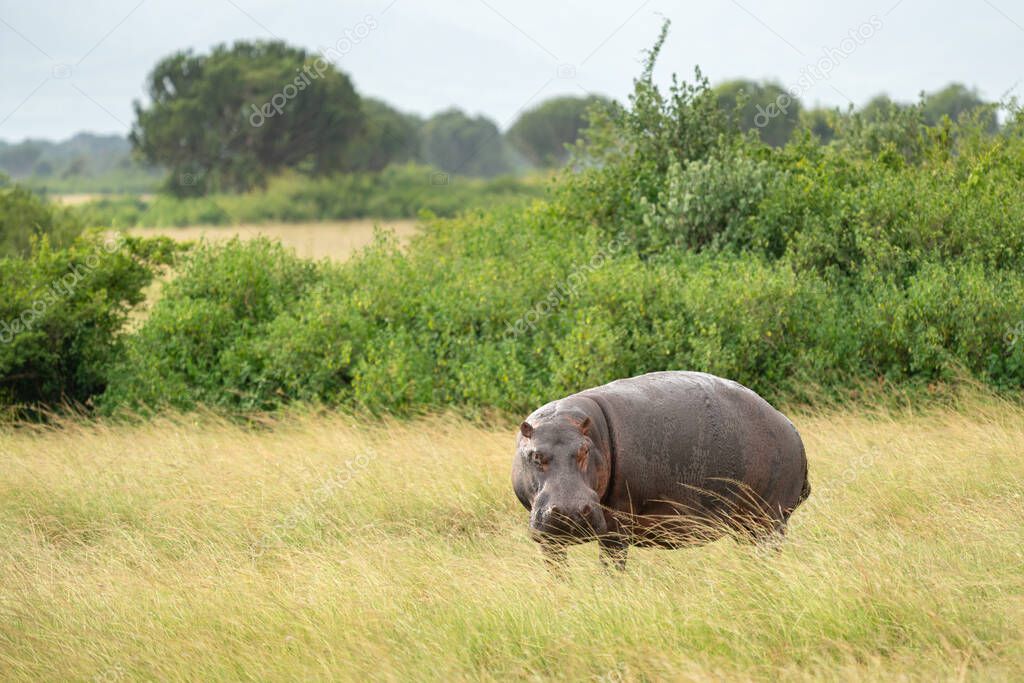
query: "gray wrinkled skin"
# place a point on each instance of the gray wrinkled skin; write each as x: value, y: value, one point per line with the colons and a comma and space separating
x: 666, y: 459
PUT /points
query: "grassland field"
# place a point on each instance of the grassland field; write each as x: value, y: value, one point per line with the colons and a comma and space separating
x: 335, y: 240
x: 322, y: 546
x: 318, y: 239
x: 79, y: 198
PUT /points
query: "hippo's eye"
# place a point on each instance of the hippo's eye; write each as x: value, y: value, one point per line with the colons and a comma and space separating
x: 537, y: 459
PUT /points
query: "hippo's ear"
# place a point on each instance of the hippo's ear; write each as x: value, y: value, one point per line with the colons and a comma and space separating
x: 526, y: 429
x: 586, y: 426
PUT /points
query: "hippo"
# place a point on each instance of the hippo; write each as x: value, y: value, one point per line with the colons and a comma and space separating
x: 666, y: 459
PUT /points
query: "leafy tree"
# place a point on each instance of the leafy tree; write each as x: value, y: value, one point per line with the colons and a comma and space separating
x: 622, y: 166
x: 542, y: 133
x: 457, y: 143
x: 820, y: 122
x: 389, y: 136
x: 226, y: 120
x: 955, y: 100
x: 765, y: 107
x: 879, y: 107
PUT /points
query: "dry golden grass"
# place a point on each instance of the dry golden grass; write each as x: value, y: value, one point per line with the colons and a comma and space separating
x: 331, y: 239
x: 77, y: 198
x: 336, y: 548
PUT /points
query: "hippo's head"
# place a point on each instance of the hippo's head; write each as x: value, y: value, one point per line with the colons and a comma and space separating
x: 560, y: 474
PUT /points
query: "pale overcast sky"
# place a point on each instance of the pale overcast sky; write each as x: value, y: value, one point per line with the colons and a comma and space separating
x: 74, y: 66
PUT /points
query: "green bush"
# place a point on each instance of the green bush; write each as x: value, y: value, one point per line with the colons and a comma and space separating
x: 61, y: 311
x: 193, y: 348
x: 947, y: 318
x: 24, y: 218
x: 710, y: 204
x: 455, y: 321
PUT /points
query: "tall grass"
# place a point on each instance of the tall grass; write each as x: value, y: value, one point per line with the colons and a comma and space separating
x: 331, y: 547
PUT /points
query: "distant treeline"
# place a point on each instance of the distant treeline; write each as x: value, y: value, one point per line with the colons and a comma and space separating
x: 230, y: 120
x: 83, y: 163
x: 397, y: 191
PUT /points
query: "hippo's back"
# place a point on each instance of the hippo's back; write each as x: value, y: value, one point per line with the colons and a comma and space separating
x: 697, y: 440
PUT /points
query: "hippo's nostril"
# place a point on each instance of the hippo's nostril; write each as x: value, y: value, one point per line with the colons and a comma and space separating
x: 554, y: 510
x: 586, y: 510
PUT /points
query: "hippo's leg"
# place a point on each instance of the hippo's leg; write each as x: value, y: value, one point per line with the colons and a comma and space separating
x: 613, y: 551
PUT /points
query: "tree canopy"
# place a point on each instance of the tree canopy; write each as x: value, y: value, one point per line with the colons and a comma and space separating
x: 820, y: 122
x: 955, y: 100
x: 455, y: 142
x: 228, y: 119
x: 766, y: 107
x: 542, y: 133
x: 388, y: 136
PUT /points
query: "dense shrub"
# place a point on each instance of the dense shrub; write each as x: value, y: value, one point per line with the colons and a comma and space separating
x: 192, y: 348
x: 710, y: 204
x: 456, y: 321
x: 61, y: 311
x: 24, y: 217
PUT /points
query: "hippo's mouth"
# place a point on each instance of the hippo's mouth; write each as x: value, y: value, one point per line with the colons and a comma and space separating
x: 569, y: 533
x: 560, y: 537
